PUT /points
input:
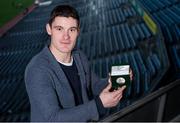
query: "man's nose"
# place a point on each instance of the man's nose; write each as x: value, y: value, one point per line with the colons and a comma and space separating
x: 66, y: 35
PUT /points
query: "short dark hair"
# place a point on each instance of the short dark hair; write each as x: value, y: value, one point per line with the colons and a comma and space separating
x: 64, y: 11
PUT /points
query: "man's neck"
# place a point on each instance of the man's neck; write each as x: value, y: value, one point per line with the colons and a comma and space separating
x: 61, y: 56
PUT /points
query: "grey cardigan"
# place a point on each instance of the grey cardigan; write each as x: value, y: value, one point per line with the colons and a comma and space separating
x: 50, y: 94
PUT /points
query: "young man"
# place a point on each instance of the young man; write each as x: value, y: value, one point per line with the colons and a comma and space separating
x: 59, y: 81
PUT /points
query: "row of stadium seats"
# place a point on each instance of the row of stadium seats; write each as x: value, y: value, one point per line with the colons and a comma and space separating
x: 156, y: 5
x: 12, y: 61
x: 21, y: 40
x: 12, y: 86
x: 167, y: 14
x: 113, y: 39
x: 112, y: 17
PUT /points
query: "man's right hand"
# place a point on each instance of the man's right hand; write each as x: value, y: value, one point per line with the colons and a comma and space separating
x: 111, y: 99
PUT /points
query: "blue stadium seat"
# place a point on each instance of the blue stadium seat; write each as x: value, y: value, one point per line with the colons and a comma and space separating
x: 125, y: 37
x: 105, y: 69
x: 156, y: 62
x: 135, y: 34
x: 130, y: 36
x: 151, y: 67
x: 173, y: 15
x: 140, y: 31
x: 146, y: 31
x: 145, y: 75
x: 114, y: 40
x: 120, y: 39
x: 136, y: 76
x: 168, y: 34
x: 176, y: 52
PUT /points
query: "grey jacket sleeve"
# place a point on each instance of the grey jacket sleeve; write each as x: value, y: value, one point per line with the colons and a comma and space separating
x: 44, y: 103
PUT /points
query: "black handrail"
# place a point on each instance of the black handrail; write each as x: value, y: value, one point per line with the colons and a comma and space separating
x: 160, y: 95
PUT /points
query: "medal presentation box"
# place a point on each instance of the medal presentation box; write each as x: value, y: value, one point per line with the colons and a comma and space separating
x: 120, y: 75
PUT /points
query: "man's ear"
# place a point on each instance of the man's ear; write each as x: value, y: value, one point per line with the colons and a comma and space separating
x: 78, y: 31
x: 48, y: 29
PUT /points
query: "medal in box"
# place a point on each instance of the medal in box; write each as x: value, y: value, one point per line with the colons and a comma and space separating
x: 120, y: 75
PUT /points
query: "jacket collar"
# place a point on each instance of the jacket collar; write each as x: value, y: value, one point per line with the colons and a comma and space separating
x: 52, y: 61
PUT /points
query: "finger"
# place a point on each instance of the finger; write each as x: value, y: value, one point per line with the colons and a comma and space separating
x: 123, y: 87
x: 115, y: 95
x: 120, y: 98
x: 109, y: 79
x: 131, y: 75
x: 108, y: 87
x: 118, y: 92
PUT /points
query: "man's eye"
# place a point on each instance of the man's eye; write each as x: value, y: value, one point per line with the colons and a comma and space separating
x: 59, y: 29
x: 73, y: 30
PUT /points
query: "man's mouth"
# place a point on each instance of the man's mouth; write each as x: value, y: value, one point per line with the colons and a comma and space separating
x: 65, y: 42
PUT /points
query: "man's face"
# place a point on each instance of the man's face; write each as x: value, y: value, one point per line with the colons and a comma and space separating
x: 64, y: 32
